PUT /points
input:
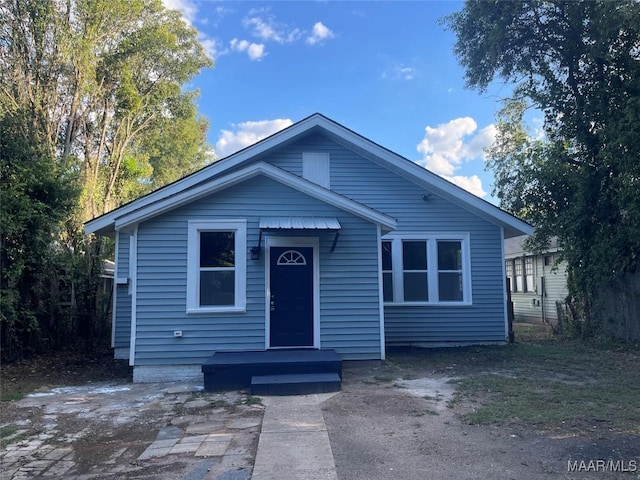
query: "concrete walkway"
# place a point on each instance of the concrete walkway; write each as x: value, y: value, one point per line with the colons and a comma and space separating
x: 294, y: 443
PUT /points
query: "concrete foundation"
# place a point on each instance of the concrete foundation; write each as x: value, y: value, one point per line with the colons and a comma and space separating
x: 167, y: 373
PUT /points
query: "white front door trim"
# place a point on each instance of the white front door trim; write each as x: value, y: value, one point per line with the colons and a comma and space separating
x: 274, y: 241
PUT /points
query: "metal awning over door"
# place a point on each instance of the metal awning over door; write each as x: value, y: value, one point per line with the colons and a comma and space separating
x: 271, y: 224
x: 299, y: 223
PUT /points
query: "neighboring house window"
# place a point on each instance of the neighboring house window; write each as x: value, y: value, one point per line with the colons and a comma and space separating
x: 426, y: 269
x: 528, y: 272
x: 509, y: 272
x: 216, y: 273
x: 387, y: 272
x: 517, y: 265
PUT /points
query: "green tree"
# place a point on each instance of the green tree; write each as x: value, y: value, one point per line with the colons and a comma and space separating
x: 97, y: 76
x: 36, y: 196
x: 95, y: 89
x: 579, y: 63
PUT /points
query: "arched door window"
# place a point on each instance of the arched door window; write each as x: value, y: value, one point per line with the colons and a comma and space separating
x: 291, y: 257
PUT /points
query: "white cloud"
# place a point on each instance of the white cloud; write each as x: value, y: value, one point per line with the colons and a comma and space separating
x: 269, y: 30
x: 319, y: 33
x: 399, y: 72
x: 255, y: 50
x: 247, y: 133
x: 188, y: 8
x: 212, y: 47
x: 189, y: 11
x: 471, y: 184
x: 446, y: 146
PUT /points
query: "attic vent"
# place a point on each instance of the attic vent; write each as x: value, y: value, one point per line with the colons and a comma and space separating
x: 315, y: 168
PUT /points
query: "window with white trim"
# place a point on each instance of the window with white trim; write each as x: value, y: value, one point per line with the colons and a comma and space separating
x: 387, y: 271
x: 509, y: 274
x: 426, y: 269
x: 517, y: 266
x: 450, y: 287
x: 216, y: 273
x: 528, y: 272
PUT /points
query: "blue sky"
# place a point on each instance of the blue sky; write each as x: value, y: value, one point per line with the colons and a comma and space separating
x: 383, y: 69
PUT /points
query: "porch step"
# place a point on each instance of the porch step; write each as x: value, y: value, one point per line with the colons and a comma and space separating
x: 235, y: 370
x: 295, y: 384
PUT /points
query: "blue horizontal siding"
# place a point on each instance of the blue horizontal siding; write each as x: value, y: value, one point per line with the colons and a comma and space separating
x: 348, y: 276
x: 352, y: 327
x: 122, y: 325
x: 366, y: 181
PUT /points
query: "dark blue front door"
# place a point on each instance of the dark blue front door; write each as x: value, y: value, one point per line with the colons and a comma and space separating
x: 291, y: 303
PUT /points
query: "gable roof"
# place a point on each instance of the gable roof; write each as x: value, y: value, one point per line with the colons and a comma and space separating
x: 165, y: 196
x: 123, y: 218
x: 514, y: 247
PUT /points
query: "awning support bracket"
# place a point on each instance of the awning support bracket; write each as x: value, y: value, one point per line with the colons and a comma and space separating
x: 335, y: 240
x: 255, y: 251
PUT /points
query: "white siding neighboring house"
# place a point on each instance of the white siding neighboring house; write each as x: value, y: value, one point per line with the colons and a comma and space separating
x: 536, y: 285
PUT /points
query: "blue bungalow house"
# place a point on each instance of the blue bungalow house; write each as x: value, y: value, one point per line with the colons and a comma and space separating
x: 314, y: 238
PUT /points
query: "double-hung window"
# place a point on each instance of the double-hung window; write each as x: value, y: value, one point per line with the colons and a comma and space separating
x: 528, y: 273
x: 387, y: 271
x: 509, y: 273
x: 426, y: 269
x: 216, y: 273
x: 519, y: 277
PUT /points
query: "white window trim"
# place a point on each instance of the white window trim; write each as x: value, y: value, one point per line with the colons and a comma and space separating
x: 293, y: 242
x: 432, y: 261
x: 193, y: 264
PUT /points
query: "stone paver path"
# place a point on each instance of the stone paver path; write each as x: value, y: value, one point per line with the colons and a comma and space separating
x: 152, y: 431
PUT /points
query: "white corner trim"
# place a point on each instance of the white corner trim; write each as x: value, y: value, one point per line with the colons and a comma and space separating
x: 114, y: 298
x: 381, y: 295
x: 504, y: 286
x: 133, y: 284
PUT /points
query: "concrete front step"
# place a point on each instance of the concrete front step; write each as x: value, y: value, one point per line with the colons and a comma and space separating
x: 234, y: 370
x: 295, y: 384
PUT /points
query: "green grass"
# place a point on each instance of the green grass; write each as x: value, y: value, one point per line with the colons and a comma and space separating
x: 9, y: 434
x: 551, y: 404
x: 540, y: 381
x: 251, y: 400
x: 10, y: 396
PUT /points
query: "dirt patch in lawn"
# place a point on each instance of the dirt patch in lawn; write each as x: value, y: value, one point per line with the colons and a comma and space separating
x: 58, y: 369
x: 540, y: 409
x: 398, y: 429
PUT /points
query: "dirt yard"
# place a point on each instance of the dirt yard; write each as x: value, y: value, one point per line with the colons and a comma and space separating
x: 411, y: 417
x: 381, y: 427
